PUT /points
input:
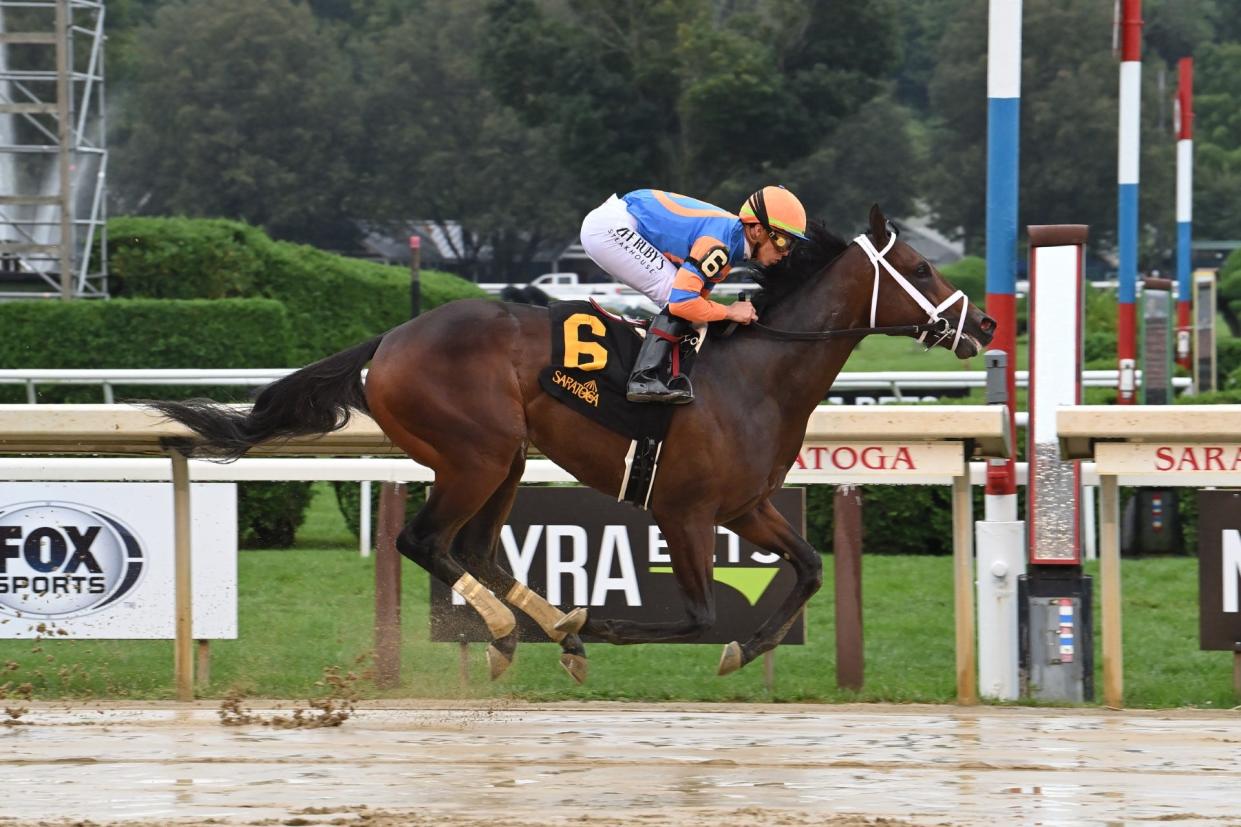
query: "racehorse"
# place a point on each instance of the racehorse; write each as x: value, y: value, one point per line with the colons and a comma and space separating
x: 457, y: 389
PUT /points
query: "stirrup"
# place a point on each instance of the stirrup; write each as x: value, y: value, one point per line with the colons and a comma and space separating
x: 654, y: 390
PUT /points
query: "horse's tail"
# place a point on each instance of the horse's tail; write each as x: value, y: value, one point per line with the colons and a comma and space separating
x: 314, y: 400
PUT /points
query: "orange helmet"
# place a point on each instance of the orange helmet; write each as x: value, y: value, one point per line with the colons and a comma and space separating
x: 776, y: 209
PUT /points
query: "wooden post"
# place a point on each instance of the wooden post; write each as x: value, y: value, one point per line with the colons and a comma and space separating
x: 769, y: 670
x: 388, y: 586
x: 847, y: 562
x: 183, y: 648
x: 463, y: 663
x: 415, y: 276
x: 202, y: 669
x: 1109, y: 588
x: 391, y: 520
x: 963, y: 588
x: 1236, y: 673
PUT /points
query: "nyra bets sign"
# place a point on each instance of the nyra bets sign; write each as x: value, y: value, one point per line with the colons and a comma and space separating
x: 577, y: 547
x: 1219, y: 569
x: 96, y: 560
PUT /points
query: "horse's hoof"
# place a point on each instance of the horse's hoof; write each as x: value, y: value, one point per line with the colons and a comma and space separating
x: 572, y: 622
x: 731, y: 660
x: 576, y: 666
x: 497, y: 661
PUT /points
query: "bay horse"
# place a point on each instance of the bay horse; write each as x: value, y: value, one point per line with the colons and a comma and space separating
x: 457, y: 389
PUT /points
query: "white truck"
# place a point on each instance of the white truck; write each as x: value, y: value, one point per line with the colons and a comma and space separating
x: 611, y: 295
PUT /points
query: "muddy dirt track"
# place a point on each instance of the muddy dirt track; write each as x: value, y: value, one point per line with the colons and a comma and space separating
x: 612, y: 764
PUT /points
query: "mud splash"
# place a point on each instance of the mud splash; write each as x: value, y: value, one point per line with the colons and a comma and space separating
x: 332, y: 710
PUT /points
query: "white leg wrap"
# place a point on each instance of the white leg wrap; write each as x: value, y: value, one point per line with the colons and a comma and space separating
x: 542, y: 612
x: 496, y: 615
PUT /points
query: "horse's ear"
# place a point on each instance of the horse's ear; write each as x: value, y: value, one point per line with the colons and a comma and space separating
x: 878, y: 225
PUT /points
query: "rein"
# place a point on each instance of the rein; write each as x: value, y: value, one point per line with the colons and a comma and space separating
x: 935, y: 324
x: 940, y: 326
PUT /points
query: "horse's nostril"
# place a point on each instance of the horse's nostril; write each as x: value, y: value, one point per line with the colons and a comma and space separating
x: 987, y: 324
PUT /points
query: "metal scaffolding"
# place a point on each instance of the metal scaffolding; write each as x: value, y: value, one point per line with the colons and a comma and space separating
x: 53, y: 149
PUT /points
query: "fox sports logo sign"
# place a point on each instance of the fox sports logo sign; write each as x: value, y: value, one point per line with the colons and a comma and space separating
x: 60, y: 560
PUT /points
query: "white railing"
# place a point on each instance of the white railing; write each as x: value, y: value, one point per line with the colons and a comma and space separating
x: 32, y: 378
x: 899, y: 384
x: 366, y: 470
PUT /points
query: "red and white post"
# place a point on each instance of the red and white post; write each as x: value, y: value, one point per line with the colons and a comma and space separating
x: 1184, y: 210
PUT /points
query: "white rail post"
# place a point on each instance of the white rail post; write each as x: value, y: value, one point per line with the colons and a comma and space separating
x: 1001, y: 560
x: 364, y: 519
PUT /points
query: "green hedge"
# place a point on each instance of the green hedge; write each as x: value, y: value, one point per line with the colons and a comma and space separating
x: 333, y: 301
x: 270, y: 513
x: 349, y: 500
x: 1227, y: 358
x: 139, y: 333
x: 149, y: 333
x: 896, y: 519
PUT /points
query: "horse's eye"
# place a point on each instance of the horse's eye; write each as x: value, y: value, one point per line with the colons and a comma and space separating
x: 923, y: 271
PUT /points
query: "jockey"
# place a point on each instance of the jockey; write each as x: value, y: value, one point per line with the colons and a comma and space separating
x: 674, y: 249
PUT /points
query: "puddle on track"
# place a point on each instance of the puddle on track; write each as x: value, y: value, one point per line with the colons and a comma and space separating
x: 614, y: 764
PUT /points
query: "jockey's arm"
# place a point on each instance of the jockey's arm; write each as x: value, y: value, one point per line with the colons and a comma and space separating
x: 708, y: 262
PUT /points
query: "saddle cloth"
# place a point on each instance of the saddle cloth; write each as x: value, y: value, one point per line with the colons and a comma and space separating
x: 592, y: 355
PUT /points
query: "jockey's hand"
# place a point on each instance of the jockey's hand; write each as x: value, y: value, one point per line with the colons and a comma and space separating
x: 742, y: 312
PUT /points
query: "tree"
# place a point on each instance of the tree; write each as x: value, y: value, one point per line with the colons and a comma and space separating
x: 1173, y: 29
x: 1069, y: 116
x: 242, y: 110
x: 603, y: 76
x: 441, y: 149
x: 1217, y: 141
x: 709, y: 98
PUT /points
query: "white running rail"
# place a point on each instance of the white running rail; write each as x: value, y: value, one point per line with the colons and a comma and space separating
x: 898, y: 383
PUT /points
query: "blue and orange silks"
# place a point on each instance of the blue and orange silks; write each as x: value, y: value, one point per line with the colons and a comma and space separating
x: 703, y: 240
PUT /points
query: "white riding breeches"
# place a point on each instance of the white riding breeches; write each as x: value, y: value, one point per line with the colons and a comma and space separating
x: 610, y: 237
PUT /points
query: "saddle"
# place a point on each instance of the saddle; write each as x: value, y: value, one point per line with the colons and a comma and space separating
x: 593, y: 352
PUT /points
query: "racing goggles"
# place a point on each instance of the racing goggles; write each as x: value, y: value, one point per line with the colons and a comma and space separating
x: 782, y: 242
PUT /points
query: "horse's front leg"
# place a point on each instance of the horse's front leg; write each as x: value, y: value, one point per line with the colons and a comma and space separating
x: 767, y: 529
x: 691, y: 545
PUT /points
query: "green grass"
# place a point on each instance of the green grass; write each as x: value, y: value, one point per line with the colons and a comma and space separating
x: 305, y: 609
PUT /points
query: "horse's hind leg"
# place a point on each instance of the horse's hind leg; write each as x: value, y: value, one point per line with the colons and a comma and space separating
x: 476, y: 547
x: 767, y: 529
x: 457, y: 494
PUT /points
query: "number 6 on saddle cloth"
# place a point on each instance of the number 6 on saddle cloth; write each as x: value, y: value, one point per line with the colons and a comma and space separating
x: 592, y: 354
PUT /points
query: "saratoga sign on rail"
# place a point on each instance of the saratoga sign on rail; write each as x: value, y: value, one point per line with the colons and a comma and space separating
x: 882, y: 459
x: 1201, y: 463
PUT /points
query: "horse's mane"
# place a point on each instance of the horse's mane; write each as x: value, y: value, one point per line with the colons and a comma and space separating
x: 807, y: 260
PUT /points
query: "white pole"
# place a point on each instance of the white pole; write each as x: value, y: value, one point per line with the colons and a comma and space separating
x: 364, y: 519
x: 1089, y: 523
x: 1001, y: 560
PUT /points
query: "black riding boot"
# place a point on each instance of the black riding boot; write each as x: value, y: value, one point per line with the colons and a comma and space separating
x: 646, y: 383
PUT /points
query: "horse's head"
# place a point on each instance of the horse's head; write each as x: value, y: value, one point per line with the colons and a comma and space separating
x: 908, y: 290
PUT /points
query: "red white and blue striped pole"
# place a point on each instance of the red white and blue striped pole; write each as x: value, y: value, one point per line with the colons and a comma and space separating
x: 1000, y: 536
x: 1184, y: 205
x: 1127, y: 208
x: 1003, y: 130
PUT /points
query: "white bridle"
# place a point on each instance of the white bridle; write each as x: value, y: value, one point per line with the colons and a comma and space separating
x: 932, y: 311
